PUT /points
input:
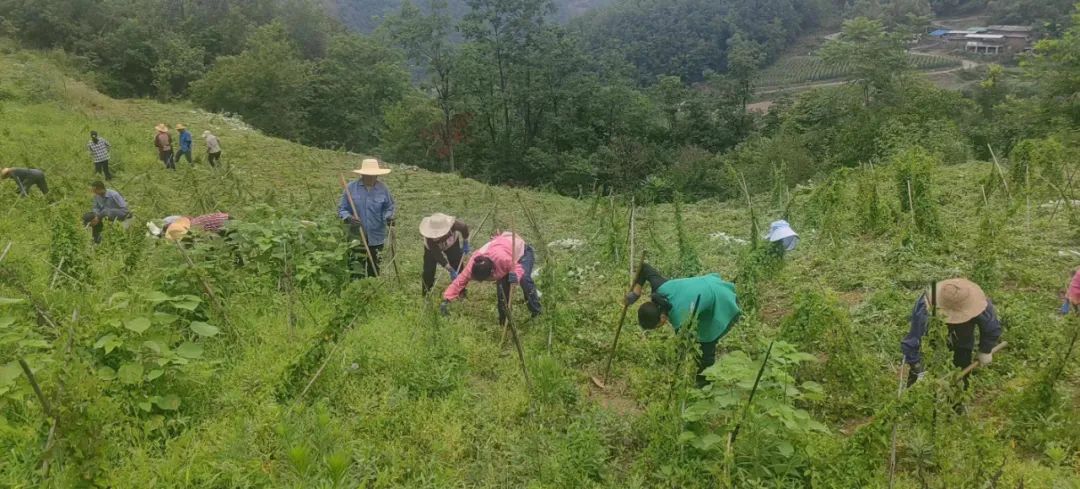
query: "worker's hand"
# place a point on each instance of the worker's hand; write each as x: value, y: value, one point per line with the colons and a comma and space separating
x: 390, y: 221
x: 95, y: 221
x: 985, y: 358
x: 352, y: 220
x: 632, y: 297
x: 512, y: 277
x: 444, y: 308
x: 465, y: 248
x: 453, y: 273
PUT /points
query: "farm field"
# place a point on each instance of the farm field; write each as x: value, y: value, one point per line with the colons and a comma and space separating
x: 172, y: 367
x: 795, y: 70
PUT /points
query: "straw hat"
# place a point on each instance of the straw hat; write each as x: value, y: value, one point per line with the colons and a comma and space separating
x: 180, y: 127
x: 436, y: 225
x: 206, y: 133
x: 161, y: 127
x: 370, y: 166
x: 5, y: 172
x: 960, y: 300
x: 178, y: 229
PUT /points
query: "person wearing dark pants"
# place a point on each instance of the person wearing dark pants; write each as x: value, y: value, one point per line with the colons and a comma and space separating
x: 99, y: 153
x: 505, y: 260
x: 185, y: 144
x: 711, y: 299
x: 213, y: 148
x: 963, y: 306
x: 446, y: 241
x: 163, y: 143
x: 25, y: 178
x: 108, y: 206
x: 372, y: 207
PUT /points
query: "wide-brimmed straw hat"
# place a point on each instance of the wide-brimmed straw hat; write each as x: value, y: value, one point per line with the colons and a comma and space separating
x: 436, y: 225
x: 959, y: 300
x: 370, y: 166
x: 206, y: 133
x: 5, y: 171
x: 180, y: 126
x: 161, y: 127
x: 178, y: 229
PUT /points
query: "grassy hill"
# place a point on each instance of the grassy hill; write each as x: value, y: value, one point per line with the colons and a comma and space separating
x: 164, y: 373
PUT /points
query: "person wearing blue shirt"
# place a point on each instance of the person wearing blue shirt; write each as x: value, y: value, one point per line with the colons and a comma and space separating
x: 109, y: 205
x: 963, y: 306
x: 185, y: 144
x: 371, y: 199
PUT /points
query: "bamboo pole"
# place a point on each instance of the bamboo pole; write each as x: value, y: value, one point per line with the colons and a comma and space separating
x: 974, y: 365
x: 356, y: 215
x: 618, y: 328
x: 892, y: 452
x: 510, y: 315
x: 37, y: 389
x: 1000, y: 172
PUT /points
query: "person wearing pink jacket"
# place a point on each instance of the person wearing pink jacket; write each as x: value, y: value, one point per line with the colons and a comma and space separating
x: 1072, y: 295
x: 496, y: 262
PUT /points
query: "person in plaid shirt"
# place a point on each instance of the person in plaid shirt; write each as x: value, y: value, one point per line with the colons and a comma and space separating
x: 99, y: 153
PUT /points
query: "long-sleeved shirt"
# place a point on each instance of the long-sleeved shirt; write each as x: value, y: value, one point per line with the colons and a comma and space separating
x: 163, y: 141
x: 375, y: 206
x: 498, y: 250
x: 911, y: 345
x: 99, y: 151
x: 111, y: 201
x: 25, y: 177
x: 459, y: 232
x: 717, y: 307
x: 185, y: 140
x: 212, y: 144
x: 210, y: 222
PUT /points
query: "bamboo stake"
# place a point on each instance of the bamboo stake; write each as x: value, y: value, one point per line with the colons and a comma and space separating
x: 618, y: 329
x: 510, y: 315
x: 911, y: 206
x: 1000, y: 172
x: 630, y: 239
x: 753, y: 390
x: 475, y: 233
x: 393, y: 253
x: 37, y: 389
x: 6, y: 249
x: 892, y: 453
x: 356, y: 215
x: 52, y: 283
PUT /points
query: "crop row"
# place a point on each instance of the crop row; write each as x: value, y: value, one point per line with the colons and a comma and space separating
x: 806, y: 69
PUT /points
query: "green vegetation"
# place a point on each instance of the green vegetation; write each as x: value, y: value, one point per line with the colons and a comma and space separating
x: 795, y: 70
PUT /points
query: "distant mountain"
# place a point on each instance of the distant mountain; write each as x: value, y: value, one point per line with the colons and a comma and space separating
x: 366, y: 15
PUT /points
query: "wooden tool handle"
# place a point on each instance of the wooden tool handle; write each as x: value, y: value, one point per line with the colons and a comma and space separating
x: 975, y: 364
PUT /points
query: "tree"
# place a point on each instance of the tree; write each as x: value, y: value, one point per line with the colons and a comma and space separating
x: 426, y: 40
x: 268, y: 84
x: 1056, y: 67
x: 876, y: 57
x: 744, y: 58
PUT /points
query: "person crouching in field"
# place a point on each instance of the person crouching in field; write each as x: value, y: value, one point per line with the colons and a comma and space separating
x: 176, y: 227
x: 25, y: 178
x: 672, y: 301
x: 109, y: 205
x: 163, y: 143
x: 446, y: 241
x: 1072, y: 295
x: 506, y: 259
x: 963, y: 306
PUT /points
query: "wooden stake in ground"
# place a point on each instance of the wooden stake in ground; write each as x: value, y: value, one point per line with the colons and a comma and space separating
x: 1001, y: 173
x: 37, y: 389
x: 892, y: 453
x: 393, y: 253
x: 618, y: 328
x: 356, y: 215
x: 473, y: 234
x: 753, y: 390
x: 510, y: 315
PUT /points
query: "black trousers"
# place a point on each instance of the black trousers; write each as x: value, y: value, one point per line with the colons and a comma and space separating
x: 962, y: 343
x: 432, y: 257
x: 103, y: 168
x: 528, y: 287
x: 213, y: 158
x: 166, y: 157
x: 361, y: 265
x: 185, y: 154
x: 23, y: 186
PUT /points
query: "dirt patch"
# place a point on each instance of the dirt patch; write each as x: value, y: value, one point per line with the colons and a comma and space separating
x: 852, y: 298
x: 614, y: 398
x: 852, y: 425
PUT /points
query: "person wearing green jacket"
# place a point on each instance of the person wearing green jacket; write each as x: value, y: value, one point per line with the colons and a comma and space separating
x: 673, y: 301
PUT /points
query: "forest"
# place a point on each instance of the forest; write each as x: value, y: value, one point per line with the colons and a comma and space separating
x: 620, y: 136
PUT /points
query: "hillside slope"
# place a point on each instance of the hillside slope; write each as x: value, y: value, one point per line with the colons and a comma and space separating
x: 312, y: 383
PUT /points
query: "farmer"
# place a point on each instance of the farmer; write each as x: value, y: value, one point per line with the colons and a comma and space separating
x: 963, y: 306
x: 1072, y: 295
x: 446, y: 241
x: 672, y: 301
x: 784, y: 238
x: 371, y: 207
x: 176, y: 227
x: 25, y: 178
x: 108, y: 205
x: 506, y: 259
x: 185, y: 144
x: 99, y: 154
x: 213, y: 148
x: 163, y: 142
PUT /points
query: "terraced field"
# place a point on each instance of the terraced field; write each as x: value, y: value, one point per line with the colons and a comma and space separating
x: 797, y: 70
